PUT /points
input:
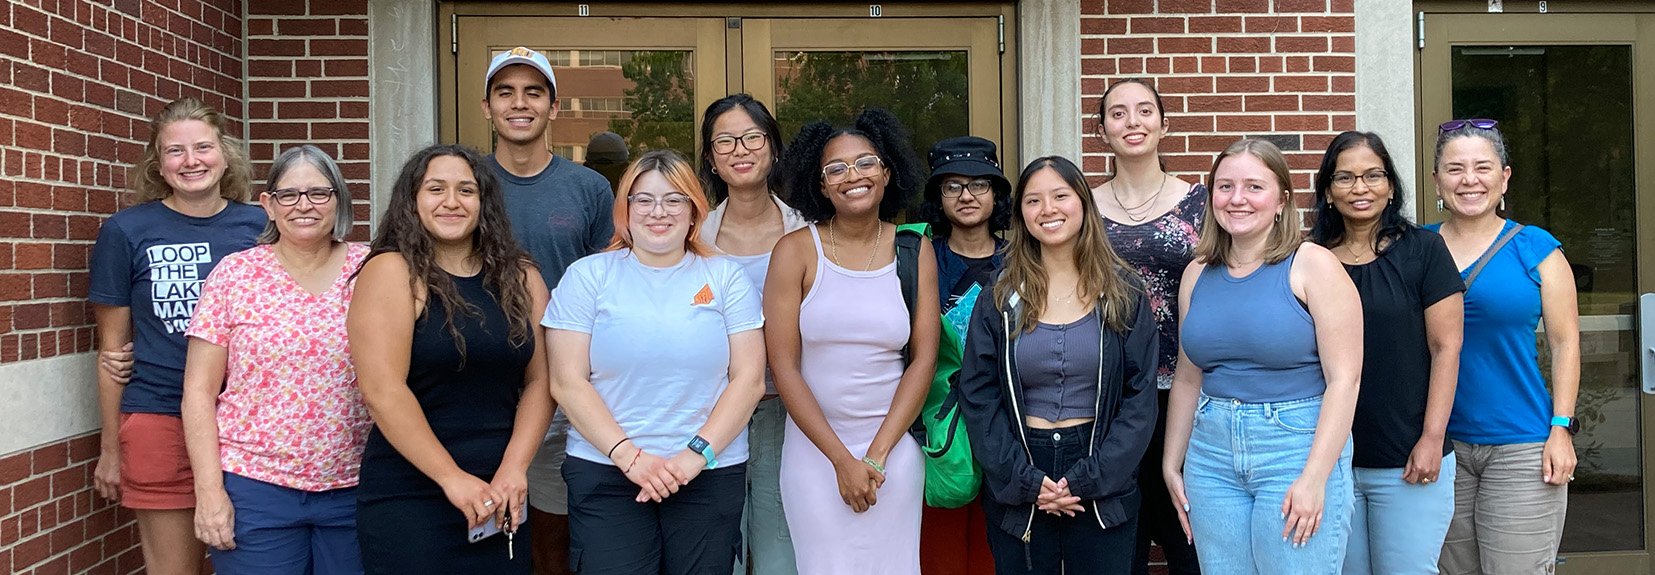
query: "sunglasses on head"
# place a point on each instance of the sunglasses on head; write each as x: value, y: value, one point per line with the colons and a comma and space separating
x: 1479, y: 123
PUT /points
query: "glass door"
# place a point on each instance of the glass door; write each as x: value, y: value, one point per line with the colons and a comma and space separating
x: 1565, y: 93
x: 646, y: 79
x: 646, y: 71
x: 941, y: 77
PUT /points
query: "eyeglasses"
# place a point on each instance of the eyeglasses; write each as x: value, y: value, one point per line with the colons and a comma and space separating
x: 865, y: 166
x: 976, y: 187
x: 290, y: 196
x: 1373, y: 179
x: 752, y: 141
x: 1479, y: 123
x: 644, y: 204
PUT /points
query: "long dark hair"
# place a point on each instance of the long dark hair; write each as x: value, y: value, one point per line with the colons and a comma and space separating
x: 1329, y: 229
x: 890, y: 141
x: 714, y: 185
x: 1104, y: 276
x: 504, y: 263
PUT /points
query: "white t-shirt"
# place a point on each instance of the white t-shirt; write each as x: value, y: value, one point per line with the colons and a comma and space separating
x: 660, y: 343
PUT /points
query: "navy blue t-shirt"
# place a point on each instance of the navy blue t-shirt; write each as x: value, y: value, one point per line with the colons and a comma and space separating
x: 153, y: 259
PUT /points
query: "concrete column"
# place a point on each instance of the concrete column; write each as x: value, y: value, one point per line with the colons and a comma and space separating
x: 402, y: 76
x: 1385, y: 85
x: 1049, y: 63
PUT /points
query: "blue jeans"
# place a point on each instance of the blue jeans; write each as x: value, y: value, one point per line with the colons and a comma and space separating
x: 1242, y: 458
x: 769, y: 546
x: 283, y: 531
x: 1398, y: 528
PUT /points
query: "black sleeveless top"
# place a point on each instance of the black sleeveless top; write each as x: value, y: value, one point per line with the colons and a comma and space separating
x: 470, y: 404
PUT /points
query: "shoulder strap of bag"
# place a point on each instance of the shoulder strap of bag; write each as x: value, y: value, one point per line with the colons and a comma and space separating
x: 1477, y: 268
x: 907, y: 274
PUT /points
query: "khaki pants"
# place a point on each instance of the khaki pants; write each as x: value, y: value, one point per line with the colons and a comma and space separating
x: 1507, y: 521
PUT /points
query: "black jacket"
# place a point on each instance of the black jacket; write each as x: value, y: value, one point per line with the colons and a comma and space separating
x: 1106, y: 480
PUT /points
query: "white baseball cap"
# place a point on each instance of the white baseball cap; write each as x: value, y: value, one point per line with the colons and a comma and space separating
x: 521, y: 55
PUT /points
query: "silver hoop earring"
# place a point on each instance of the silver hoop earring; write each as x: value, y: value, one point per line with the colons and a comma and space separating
x: 1440, y: 206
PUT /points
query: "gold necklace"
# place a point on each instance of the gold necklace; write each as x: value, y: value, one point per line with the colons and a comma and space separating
x: 833, y: 242
x: 1147, y: 206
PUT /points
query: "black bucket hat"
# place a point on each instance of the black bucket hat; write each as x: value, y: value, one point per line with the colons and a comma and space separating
x: 968, y: 156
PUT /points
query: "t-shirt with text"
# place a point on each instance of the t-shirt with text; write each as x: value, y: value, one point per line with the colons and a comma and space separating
x: 153, y: 260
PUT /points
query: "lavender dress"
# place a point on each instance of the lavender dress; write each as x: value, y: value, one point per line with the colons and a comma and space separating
x: 852, y: 326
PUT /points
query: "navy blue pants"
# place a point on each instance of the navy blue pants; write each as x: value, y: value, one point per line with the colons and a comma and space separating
x: 284, y: 531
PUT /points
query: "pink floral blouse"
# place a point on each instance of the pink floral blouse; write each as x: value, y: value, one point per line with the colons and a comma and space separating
x: 290, y: 413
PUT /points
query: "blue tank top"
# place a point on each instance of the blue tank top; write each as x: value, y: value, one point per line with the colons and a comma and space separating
x: 1251, y: 337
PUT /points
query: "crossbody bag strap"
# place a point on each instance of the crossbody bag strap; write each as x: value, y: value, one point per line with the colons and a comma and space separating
x: 1477, y: 268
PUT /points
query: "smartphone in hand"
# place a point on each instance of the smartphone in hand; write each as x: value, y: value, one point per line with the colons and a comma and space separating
x: 483, y: 531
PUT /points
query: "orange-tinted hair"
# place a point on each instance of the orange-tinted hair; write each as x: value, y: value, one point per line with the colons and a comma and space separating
x: 682, y: 177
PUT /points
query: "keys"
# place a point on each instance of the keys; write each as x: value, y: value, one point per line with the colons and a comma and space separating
x: 511, y: 531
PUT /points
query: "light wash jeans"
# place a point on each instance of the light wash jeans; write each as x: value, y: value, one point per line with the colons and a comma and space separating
x: 1242, y: 458
x: 764, y: 535
x: 1506, y: 519
x: 1398, y: 528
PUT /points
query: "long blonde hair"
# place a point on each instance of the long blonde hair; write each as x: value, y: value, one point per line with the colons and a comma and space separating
x: 146, y: 174
x: 1103, y: 274
x: 1215, y: 245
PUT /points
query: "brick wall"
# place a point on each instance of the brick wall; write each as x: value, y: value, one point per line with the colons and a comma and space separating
x: 1227, y: 69
x: 78, y: 81
x: 307, y: 83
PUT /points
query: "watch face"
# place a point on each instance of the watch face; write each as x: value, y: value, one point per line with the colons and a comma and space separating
x: 698, y: 444
x: 1574, y: 425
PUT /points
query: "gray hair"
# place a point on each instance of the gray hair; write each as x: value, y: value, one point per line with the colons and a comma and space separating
x: 343, y: 214
x: 1469, y: 131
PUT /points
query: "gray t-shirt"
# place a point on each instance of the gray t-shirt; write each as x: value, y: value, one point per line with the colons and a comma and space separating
x: 560, y: 215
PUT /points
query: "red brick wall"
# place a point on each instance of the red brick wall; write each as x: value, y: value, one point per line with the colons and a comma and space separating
x: 1227, y: 69
x: 51, y: 521
x: 307, y: 83
x: 78, y: 80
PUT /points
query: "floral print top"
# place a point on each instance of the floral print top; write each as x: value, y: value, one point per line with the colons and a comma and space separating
x: 1160, y: 249
x: 290, y: 413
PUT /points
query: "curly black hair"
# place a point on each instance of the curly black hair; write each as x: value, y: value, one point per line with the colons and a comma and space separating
x: 890, y: 140
x: 931, y: 212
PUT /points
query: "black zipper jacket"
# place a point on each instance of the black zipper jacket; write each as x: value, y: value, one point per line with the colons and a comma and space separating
x: 1106, y: 479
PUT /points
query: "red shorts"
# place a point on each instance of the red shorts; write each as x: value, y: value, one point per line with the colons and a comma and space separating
x: 155, y: 466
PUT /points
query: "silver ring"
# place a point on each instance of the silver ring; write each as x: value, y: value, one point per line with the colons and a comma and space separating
x: 489, y: 503
x: 1571, y: 477
x: 1425, y: 480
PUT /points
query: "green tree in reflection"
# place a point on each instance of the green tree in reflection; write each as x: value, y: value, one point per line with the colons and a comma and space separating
x: 926, y: 90
x: 661, y: 102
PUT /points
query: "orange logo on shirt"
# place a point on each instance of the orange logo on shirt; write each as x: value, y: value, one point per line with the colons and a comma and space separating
x: 703, y: 297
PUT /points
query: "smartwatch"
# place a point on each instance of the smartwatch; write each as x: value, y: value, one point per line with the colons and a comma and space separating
x: 1572, y: 425
x: 699, y: 445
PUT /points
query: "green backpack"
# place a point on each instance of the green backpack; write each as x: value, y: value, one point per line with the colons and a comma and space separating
x: 952, y: 477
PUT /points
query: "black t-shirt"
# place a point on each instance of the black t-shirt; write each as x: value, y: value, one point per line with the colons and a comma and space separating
x: 978, y: 271
x: 1415, y: 272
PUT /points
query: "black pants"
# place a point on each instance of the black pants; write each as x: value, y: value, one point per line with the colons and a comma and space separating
x: 1158, y: 519
x: 696, y: 531
x: 1062, y: 544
